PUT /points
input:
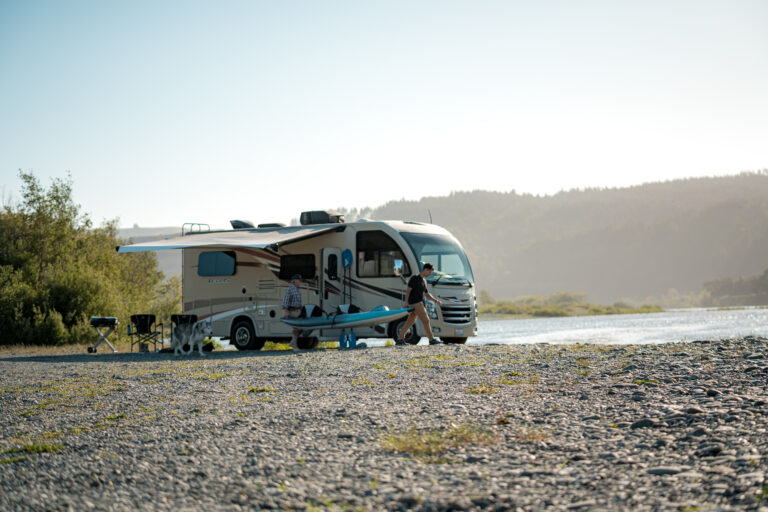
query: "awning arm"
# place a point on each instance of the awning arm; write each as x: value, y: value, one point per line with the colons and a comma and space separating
x: 277, y: 245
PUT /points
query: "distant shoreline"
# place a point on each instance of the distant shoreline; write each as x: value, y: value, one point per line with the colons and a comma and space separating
x: 501, y: 316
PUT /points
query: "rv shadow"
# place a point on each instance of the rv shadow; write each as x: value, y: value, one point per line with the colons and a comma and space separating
x: 150, y: 357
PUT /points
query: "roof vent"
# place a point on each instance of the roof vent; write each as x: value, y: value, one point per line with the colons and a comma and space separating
x: 321, y: 217
x: 241, y: 224
x: 272, y: 225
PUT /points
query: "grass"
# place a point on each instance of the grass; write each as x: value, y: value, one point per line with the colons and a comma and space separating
x: 518, y: 379
x: 12, y: 460
x: 481, y: 389
x: 504, y: 419
x: 58, y: 350
x: 433, y: 443
x: 270, y: 346
x: 583, y: 369
x: 531, y: 434
x: 34, y: 448
x: 261, y: 389
x: 18, y: 350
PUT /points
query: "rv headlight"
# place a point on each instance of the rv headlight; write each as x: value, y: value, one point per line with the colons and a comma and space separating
x: 432, y: 310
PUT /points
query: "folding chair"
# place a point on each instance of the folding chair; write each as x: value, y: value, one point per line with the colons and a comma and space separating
x: 109, y: 322
x: 145, y: 331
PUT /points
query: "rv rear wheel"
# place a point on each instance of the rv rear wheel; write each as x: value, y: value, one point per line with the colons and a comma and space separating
x: 244, y: 338
x: 459, y: 341
x: 411, y: 337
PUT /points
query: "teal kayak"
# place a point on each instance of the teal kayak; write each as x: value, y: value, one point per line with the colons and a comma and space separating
x: 379, y: 315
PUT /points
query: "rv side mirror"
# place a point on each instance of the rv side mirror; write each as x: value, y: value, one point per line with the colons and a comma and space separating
x: 398, y: 267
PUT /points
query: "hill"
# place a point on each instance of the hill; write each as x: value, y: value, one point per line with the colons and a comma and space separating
x: 631, y: 243
x: 613, y: 244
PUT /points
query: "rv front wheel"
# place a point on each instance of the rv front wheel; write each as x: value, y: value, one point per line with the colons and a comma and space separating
x: 244, y: 338
x: 411, y: 337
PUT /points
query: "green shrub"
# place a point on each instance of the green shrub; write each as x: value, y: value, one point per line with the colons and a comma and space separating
x: 556, y: 305
x: 549, y: 312
x: 56, y: 271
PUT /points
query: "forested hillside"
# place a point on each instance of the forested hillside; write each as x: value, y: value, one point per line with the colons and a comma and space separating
x: 613, y: 244
x: 632, y: 243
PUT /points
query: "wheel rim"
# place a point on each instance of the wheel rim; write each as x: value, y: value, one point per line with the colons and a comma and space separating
x: 409, y: 334
x: 242, y: 336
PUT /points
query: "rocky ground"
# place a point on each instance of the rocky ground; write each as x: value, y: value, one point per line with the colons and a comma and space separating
x: 680, y: 426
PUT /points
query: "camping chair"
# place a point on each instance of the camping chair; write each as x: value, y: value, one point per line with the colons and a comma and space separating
x: 145, y: 331
x: 182, y: 319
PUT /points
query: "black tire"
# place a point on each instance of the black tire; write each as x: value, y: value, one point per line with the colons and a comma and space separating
x: 458, y: 341
x: 244, y: 338
x: 308, y: 343
x: 411, y: 337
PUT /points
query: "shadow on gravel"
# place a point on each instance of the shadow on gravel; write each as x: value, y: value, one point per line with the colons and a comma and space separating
x: 152, y: 357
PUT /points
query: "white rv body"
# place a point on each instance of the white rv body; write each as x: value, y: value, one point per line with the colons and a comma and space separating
x: 238, y: 278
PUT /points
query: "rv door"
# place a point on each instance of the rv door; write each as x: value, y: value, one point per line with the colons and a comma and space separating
x: 332, y: 282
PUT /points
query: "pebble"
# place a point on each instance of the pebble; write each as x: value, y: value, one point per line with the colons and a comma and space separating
x: 523, y: 427
x: 644, y: 423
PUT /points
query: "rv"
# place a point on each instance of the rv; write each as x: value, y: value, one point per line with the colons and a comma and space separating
x: 237, y: 278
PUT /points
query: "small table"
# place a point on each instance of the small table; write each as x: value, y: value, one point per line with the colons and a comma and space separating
x: 109, y: 322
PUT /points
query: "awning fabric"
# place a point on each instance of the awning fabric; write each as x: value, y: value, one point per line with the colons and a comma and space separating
x: 254, y: 238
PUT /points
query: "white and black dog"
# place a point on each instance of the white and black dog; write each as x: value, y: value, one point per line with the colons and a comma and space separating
x: 192, y: 334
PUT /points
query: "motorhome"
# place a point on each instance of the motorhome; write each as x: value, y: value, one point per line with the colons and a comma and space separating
x: 237, y: 278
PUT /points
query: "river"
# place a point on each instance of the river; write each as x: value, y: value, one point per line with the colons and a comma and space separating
x: 673, y: 325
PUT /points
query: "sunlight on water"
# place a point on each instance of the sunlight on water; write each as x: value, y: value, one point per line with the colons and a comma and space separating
x: 680, y: 325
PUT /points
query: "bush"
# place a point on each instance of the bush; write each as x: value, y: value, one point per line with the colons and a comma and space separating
x: 559, y: 304
x: 56, y: 271
x: 549, y: 312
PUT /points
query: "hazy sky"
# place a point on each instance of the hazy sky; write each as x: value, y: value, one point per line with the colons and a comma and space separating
x: 169, y: 112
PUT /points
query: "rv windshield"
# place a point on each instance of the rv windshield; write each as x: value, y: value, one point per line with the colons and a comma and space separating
x: 445, y: 253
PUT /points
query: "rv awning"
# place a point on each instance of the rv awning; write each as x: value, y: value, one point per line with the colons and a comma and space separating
x: 255, y: 238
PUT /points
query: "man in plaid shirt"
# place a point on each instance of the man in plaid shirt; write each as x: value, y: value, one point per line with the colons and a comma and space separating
x: 292, y: 306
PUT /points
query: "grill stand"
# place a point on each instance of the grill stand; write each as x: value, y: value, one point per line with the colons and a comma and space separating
x: 101, y: 322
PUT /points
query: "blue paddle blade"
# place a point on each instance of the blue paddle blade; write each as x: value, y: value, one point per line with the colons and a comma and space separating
x: 346, y: 258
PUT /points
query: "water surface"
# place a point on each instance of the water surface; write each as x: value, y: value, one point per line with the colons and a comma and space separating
x: 676, y: 325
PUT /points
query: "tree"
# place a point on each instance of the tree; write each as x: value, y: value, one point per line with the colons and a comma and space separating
x: 56, y: 270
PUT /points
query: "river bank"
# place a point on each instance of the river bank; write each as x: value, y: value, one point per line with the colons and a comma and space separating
x: 679, y: 426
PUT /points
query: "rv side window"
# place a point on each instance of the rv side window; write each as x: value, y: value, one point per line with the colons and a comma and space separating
x: 333, y: 267
x: 303, y: 264
x: 376, y: 255
x: 221, y: 263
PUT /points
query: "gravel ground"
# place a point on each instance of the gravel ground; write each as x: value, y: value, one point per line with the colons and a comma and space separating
x: 680, y: 426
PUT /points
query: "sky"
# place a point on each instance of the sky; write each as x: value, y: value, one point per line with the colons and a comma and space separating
x: 204, y: 111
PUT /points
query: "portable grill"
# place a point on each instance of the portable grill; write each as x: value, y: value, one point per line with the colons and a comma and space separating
x: 103, y: 322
